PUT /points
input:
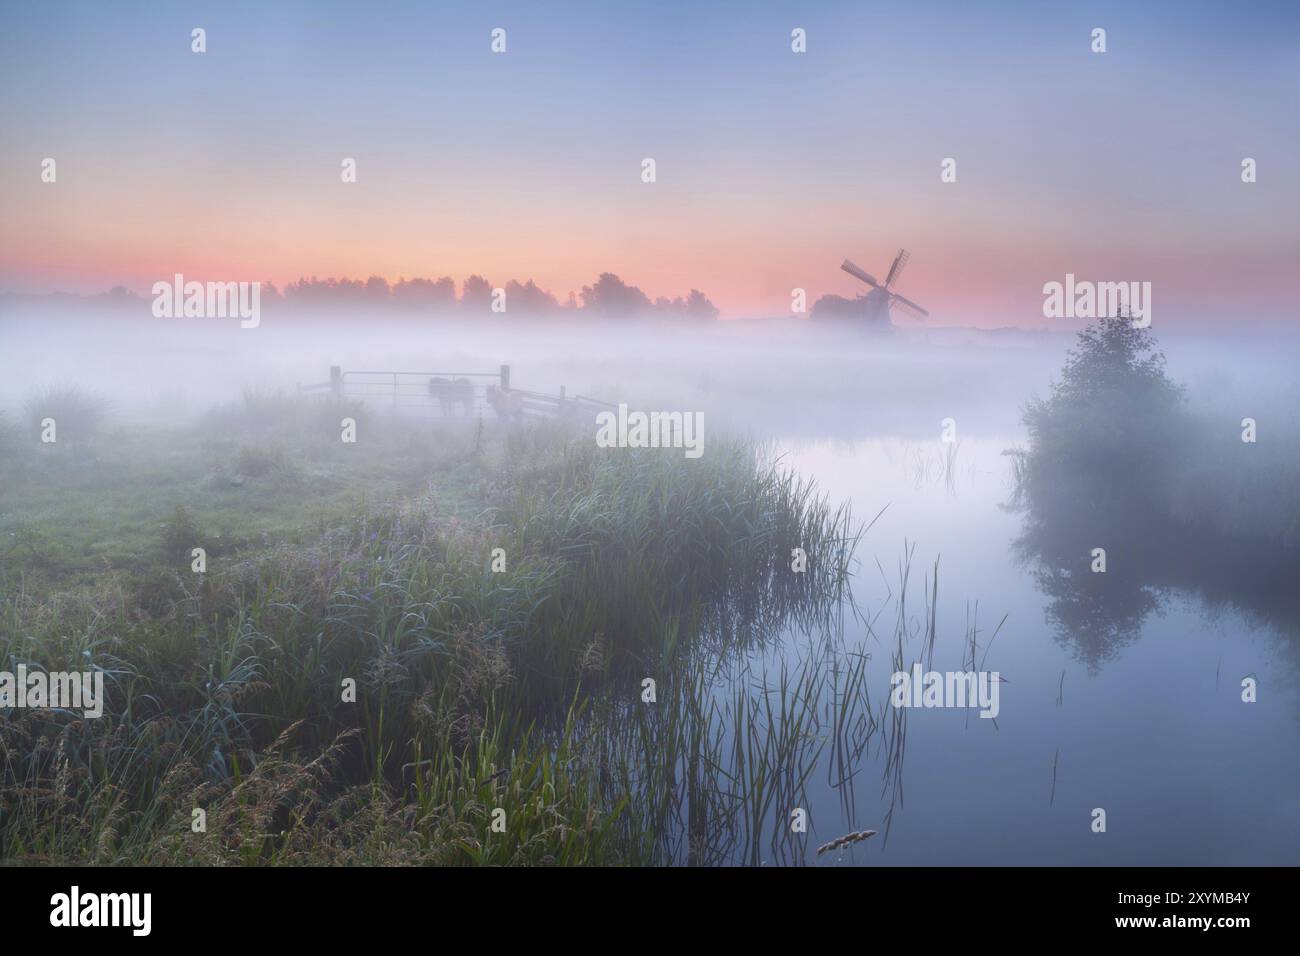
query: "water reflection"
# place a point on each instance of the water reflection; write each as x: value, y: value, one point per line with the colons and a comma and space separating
x: 1149, y: 560
x: 1159, y: 642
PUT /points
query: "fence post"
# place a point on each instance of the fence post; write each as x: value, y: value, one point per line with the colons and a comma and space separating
x: 505, y: 378
x: 336, y: 382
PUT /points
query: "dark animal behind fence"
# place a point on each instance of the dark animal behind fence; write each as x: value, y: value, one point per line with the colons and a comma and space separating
x: 453, y: 394
x: 508, y: 405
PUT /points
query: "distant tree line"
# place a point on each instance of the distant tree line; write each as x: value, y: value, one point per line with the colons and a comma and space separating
x: 608, y: 298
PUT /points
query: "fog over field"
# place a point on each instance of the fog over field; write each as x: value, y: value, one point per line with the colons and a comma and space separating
x: 774, y: 376
x: 650, y: 435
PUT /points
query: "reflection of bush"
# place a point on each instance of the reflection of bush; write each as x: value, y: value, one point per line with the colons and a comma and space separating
x: 1099, y: 613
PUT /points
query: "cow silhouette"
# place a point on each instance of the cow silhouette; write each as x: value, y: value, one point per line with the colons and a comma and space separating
x: 508, y: 405
x: 454, y: 395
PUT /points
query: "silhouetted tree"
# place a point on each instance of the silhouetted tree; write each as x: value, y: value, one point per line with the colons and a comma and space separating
x: 699, y: 308
x: 612, y: 298
x: 1114, y: 415
x: 325, y: 293
x: 377, y: 292
x: 476, y: 296
x: 425, y: 295
x: 529, y: 299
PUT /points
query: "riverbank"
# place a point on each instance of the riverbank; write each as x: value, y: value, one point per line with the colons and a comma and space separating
x: 412, y: 649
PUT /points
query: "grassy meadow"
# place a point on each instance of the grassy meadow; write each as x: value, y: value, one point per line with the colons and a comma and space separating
x: 498, y: 715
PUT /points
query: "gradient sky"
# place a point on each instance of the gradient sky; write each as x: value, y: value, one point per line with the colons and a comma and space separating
x: 772, y: 167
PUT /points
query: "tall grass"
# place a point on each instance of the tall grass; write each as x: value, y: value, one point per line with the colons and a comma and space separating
x: 475, y: 690
x: 78, y: 416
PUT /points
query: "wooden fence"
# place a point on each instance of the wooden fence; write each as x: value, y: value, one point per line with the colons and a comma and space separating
x: 412, y: 392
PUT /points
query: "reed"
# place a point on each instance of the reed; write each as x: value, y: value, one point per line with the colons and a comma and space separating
x: 476, y: 691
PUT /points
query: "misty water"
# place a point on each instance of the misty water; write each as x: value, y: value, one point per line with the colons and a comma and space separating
x: 1148, y: 725
x: 1157, y: 735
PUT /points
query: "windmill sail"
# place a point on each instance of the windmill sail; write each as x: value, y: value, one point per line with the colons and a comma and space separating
x: 896, y: 269
x: 909, y: 305
x: 854, y: 271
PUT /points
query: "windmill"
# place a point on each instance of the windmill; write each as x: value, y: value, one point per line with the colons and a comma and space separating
x: 876, y: 303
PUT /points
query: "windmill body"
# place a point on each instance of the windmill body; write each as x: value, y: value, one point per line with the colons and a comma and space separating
x: 874, y: 308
